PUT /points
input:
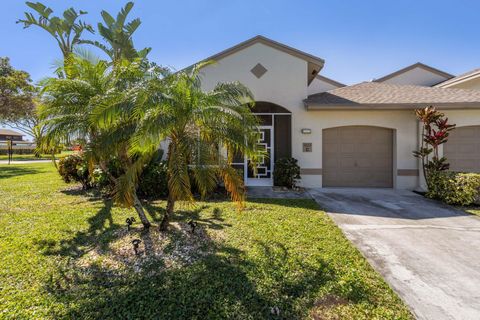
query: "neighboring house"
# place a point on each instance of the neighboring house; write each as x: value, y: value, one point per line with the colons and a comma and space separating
x: 463, y: 147
x: 343, y: 136
x: 7, y: 134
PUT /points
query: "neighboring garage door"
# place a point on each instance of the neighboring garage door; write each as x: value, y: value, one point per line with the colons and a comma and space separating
x: 462, y: 149
x: 357, y: 156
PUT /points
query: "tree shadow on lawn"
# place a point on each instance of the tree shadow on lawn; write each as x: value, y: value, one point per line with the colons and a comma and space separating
x: 100, y: 232
x: 222, y: 282
x: 9, y: 171
x: 217, y: 282
x: 222, y: 285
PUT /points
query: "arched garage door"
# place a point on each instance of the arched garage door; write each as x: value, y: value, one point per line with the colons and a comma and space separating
x: 462, y: 149
x: 357, y: 156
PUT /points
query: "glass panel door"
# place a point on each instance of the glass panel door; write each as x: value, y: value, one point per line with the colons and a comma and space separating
x: 263, y: 174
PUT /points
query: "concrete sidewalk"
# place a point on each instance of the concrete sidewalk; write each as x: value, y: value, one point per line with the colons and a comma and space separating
x: 24, y: 161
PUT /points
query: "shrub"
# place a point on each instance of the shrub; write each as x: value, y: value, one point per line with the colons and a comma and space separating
x: 18, y: 151
x: 286, y: 173
x: 455, y: 188
x: 74, y: 168
x: 153, y: 181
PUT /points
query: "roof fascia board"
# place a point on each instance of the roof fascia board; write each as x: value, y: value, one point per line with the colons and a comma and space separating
x: 330, y: 81
x: 397, y: 106
x: 271, y: 43
x: 411, y: 67
x: 459, y: 80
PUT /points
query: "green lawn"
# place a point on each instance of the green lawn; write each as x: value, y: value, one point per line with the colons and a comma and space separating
x: 25, y: 157
x: 64, y: 255
x: 474, y: 210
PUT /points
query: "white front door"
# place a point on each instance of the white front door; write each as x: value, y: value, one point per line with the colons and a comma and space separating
x: 264, y: 174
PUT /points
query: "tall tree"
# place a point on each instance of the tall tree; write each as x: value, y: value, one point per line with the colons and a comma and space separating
x: 80, y: 107
x: 17, y: 107
x: 198, y: 125
x: 118, y: 33
x: 66, y: 30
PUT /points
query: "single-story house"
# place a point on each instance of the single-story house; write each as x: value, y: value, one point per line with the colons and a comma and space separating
x: 7, y: 134
x: 361, y: 135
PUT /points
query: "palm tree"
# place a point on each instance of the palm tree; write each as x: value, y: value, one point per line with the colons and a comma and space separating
x: 204, y: 130
x: 75, y: 108
x: 66, y: 31
x: 118, y: 34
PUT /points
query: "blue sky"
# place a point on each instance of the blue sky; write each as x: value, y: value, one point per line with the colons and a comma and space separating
x: 359, y: 40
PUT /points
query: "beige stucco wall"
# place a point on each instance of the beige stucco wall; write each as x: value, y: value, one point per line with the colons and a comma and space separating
x: 417, y: 76
x: 285, y: 82
x: 403, y: 122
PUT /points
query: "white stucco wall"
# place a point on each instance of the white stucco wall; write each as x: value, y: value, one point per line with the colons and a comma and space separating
x: 417, y: 76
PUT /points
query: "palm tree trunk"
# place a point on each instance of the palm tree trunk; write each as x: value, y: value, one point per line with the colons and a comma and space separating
x: 168, y: 213
x: 141, y: 213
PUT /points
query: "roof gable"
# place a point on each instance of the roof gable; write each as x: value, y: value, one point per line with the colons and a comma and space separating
x: 315, y: 64
x: 416, y: 74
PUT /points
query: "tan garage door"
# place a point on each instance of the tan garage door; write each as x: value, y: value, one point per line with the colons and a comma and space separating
x: 358, y: 156
x: 463, y: 149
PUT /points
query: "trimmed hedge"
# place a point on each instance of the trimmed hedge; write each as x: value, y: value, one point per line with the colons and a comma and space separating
x: 17, y: 151
x: 455, y: 188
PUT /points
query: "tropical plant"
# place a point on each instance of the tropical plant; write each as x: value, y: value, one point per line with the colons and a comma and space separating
x: 77, y: 109
x: 66, y: 30
x: 286, y: 172
x: 204, y: 130
x: 70, y: 102
x: 74, y: 168
x: 117, y: 34
x: 435, y: 132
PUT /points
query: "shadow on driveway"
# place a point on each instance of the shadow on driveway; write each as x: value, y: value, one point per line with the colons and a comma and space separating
x: 387, y: 203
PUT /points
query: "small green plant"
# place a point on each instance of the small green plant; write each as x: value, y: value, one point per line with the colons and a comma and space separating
x: 74, y: 168
x: 286, y: 173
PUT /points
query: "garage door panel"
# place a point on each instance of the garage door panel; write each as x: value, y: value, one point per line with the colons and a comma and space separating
x: 462, y: 149
x: 357, y: 156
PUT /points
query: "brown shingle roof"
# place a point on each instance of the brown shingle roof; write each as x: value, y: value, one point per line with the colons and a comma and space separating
x: 373, y: 95
x: 9, y: 132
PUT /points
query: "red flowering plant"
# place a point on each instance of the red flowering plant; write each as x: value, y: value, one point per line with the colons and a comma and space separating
x: 435, y: 131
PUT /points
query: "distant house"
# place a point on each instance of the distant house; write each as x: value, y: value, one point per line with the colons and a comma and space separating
x: 7, y: 134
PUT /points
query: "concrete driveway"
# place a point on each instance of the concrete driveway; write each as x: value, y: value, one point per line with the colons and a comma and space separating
x: 429, y: 253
